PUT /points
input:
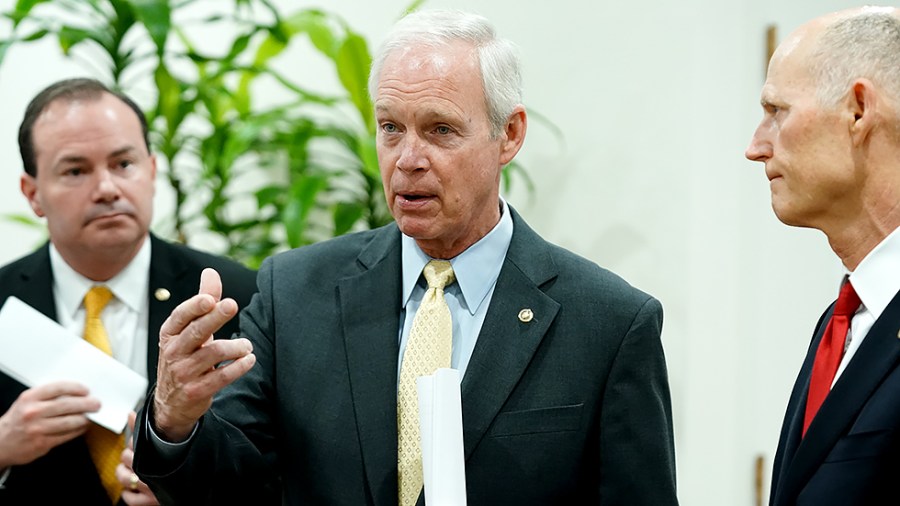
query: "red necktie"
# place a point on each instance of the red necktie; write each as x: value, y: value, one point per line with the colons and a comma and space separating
x: 831, y: 348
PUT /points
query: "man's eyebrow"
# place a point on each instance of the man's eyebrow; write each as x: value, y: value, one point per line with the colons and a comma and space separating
x: 123, y: 151
x: 80, y: 158
x: 71, y: 159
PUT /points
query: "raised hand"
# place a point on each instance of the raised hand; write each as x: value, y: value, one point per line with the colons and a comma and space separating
x: 192, y: 366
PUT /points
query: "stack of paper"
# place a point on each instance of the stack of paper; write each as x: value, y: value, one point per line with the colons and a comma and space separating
x: 440, y: 424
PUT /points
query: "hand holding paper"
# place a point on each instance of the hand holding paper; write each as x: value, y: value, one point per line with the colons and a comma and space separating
x: 43, y: 418
x: 36, y: 351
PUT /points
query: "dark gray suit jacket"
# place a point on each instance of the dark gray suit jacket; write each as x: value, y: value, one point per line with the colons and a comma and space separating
x: 851, y: 452
x: 571, y: 407
x: 66, y: 475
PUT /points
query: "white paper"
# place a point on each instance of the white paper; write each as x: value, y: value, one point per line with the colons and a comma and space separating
x: 36, y: 350
x: 440, y: 427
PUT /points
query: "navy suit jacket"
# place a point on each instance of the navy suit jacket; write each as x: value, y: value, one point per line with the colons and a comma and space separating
x: 66, y: 475
x: 851, y: 452
x: 571, y: 407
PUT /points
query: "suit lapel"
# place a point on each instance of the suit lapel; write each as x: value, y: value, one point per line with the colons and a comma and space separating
x: 36, y: 288
x: 792, y: 428
x: 370, y: 312
x: 506, y: 343
x: 167, y: 288
x: 876, y: 357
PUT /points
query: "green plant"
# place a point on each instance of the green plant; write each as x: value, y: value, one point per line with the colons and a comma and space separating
x: 259, y: 177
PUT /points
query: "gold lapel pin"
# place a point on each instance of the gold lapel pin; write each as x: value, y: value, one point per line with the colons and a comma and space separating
x: 162, y: 294
x: 526, y: 315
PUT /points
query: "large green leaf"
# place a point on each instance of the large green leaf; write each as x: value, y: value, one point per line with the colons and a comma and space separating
x: 23, y: 9
x: 346, y: 214
x: 4, y: 47
x: 169, y: 98
x: 156, y: 16
x: 304, y: 193
x: 353, y: 62
x: 70, y: 37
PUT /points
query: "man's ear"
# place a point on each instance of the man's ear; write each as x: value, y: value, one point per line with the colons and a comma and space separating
x: 513, y: 135
x: 863, y: 102
x: 29, y: 187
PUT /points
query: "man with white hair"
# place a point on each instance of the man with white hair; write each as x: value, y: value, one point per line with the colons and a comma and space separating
x: 830, y: 141
x: 565, y: 398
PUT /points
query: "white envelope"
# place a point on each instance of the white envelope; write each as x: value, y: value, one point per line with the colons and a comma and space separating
x: 36, y: 350
x: 440, y: 427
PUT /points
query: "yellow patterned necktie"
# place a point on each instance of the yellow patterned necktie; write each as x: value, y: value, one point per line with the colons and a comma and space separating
x: 105, y: 446
x: 427, y: 349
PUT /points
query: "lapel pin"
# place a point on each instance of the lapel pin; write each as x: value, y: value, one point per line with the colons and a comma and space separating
x: 898, y: 334
x: 162, y: 294
x: 526, y: 315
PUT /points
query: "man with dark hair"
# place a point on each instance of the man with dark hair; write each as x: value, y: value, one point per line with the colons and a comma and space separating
x: 830, y: 141
x: 90, y: 173
x: 564, y: 393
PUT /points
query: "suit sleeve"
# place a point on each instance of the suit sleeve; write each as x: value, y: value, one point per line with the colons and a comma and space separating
x: 637, y: 451
x: 231, y: 456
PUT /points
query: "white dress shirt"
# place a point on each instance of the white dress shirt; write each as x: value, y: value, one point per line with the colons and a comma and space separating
x: 876, y: 281
x: 126, y: 316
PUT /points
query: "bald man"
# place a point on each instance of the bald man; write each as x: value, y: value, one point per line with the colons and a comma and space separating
x: 830, y: 141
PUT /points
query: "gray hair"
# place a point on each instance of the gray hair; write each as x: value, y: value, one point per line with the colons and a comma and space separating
x: 498, y: 58
x: 862, y: 45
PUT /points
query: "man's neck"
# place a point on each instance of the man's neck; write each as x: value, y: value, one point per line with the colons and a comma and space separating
x: 103, y: 265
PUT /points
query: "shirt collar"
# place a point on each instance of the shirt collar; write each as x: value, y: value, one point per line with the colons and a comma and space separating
x: 877, y: 278
x: 129, y: 286
x: 476, y: 268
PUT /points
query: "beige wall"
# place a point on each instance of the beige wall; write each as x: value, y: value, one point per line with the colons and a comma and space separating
x: 657, y: 101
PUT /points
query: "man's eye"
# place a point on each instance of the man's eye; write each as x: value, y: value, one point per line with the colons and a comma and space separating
x: 389, y: 128
x: 124, y: 164
x: 443, y: 130
x: 74, y: 171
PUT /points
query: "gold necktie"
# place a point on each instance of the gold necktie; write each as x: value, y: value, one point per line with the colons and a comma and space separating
x: 427, y: 349
x: 105, y: 446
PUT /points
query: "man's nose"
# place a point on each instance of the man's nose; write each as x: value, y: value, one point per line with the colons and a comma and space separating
x: 106, y: 189
x: 412, y: 153
x: 760, y: 149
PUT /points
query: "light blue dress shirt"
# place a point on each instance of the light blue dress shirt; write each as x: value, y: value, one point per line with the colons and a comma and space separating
x: 476, y: 269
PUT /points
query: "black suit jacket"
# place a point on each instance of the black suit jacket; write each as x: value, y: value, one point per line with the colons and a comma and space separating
x: 571, y: 407
x: 851, y: 452
x: 66, y: 475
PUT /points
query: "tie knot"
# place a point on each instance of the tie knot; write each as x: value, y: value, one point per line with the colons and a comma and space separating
x: 438, y: 273
x: 848, y: 301
x: 96, y: 299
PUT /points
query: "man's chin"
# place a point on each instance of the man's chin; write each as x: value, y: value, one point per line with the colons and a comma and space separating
x: 115, y: 238
x: 788, y: 217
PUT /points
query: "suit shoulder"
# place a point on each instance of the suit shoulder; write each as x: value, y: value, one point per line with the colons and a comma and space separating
x: 343, y: 250
x: 583, y: 275
x: 19, y: 268
x: 14, y: 268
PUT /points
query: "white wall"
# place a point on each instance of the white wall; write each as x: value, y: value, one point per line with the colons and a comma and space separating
x: 657, y: 101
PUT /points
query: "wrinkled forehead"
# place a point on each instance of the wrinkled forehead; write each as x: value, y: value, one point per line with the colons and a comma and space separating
x: 440, y: 58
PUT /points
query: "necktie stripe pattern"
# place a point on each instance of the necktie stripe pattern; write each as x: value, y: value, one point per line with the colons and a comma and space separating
x: 427, y: 349
x: 830, y: 351
x: 105, y: 446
